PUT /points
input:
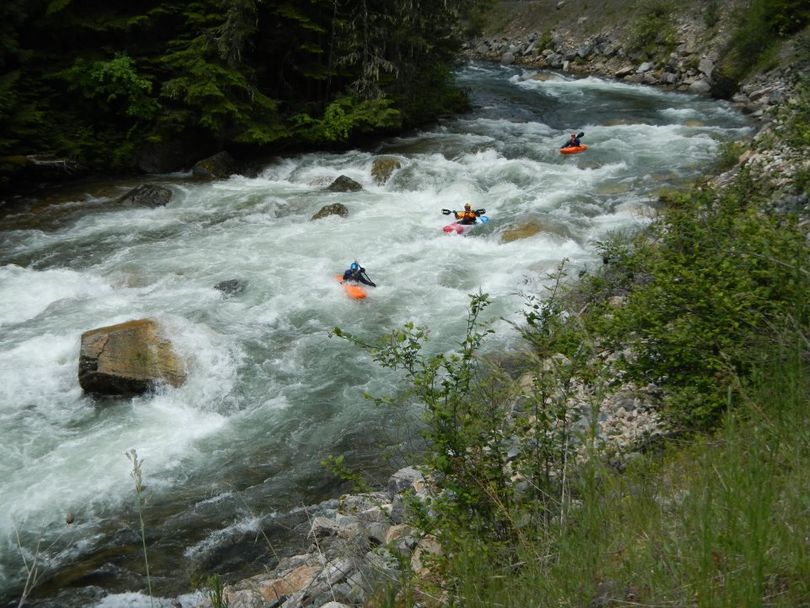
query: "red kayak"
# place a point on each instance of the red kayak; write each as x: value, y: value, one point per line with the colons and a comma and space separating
x: 573, y: 149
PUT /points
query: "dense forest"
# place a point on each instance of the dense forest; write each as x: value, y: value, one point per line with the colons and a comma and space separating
x: 127, y: 84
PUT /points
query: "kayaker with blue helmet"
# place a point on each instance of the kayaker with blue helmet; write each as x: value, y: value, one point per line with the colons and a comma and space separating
x: 357, y: 273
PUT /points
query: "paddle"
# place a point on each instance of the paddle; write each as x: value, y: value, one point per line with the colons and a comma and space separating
x: 477, y: 211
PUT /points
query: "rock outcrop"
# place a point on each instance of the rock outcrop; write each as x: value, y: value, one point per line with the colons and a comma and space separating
x: 128, y: 359
x: 358, y: 544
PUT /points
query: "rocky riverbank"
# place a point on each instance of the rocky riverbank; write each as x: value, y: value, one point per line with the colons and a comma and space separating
x: 690, y: 52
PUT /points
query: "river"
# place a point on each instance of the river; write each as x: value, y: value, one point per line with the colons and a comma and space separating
x: 232, y: 456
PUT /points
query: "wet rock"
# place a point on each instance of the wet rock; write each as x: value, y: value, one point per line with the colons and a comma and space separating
x: 344, y: 184
x: 334, y: 209
x: 127, y: 359
x: 146, y: 195
x: 382, y: 168
x: 219, y: 166
x: 231, y: 287
x: 507, y: 58
x: 524, y: 231
x: 700, y: 87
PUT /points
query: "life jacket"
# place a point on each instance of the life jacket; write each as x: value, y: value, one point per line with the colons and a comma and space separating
x: 467, y: 216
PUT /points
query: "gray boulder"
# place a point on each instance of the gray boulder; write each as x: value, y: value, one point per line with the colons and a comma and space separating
x: 700, y: 87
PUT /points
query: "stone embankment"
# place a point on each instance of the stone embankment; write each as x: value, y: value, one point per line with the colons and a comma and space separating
x: 358, y: 546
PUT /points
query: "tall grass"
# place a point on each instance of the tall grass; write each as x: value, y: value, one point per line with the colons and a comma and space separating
x: 720, y: 522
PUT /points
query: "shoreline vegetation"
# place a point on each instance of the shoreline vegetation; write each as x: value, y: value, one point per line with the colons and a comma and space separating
x: 159, y: 85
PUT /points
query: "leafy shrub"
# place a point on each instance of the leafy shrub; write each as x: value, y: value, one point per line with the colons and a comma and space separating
x: 716, y: 273
x: 653, y: 33
x: 728, y: 155
x: 761, y: 25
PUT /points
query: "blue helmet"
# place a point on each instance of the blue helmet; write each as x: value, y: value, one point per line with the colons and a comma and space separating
x: 354, y: 266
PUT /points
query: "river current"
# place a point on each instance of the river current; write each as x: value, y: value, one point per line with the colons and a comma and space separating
x: 233, y: 456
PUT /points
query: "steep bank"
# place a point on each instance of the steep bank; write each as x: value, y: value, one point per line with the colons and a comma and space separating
x: 690, y: 47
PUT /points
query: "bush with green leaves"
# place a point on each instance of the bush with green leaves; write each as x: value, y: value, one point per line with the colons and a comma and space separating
x: 714, y: 273
x: 761, y: 25
x: 653, y: 33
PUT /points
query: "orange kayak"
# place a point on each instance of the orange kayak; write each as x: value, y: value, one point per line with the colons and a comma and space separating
x: 354, y: 291
x: 573, y: 149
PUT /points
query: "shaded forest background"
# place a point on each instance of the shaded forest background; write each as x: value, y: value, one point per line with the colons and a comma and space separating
x: 156, y: 84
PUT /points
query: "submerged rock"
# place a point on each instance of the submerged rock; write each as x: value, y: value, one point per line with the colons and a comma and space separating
x: 127, y: 359
x: 147, y: 195
x: 231, y: 287
x: 383, y: 167
x: 344, y: 184
x: 334, y: 209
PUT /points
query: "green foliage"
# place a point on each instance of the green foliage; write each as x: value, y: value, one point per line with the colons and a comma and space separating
x: 762, y: 24
x: 718, y: 273
x: 728, y: 155
x: 720, y: 522
x: 215, y: 592
x: 337, y: 466
x: 653, y: 33
x: 711, y: 16
x: 243, y: 73
x: 114, y: 85
x: 798, y: 124
x: 347, y: 116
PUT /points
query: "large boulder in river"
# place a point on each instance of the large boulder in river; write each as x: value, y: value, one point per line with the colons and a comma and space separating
x: 147, y: 195
x: 128, y: 359
x: 219, y: 166
x: 383, y: 167
x: 344, y: 184
x: 335, y: 209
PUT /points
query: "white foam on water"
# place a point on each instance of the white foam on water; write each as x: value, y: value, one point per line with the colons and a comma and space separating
x: 261, y: 361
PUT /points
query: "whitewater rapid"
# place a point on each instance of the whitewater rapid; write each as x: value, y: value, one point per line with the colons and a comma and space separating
x: 269, y: 394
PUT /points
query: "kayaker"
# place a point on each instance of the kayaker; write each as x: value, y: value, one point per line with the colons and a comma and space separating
x: 468, y: 216
x: 573, y: 142
x: 357, y: 273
